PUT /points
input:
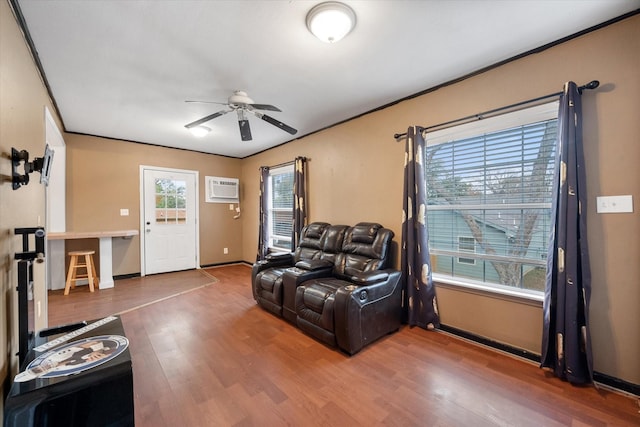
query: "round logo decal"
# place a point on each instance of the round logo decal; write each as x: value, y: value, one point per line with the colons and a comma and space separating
x: 74, y: 357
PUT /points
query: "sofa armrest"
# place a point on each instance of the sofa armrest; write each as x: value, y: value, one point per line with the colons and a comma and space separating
x: 365, y: 313
x: 279, y: 257
x: 314, y: 264
x: 369, y: 278
x: 272, y: 260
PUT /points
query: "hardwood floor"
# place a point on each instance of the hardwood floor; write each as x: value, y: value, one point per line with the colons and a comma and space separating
x: 127, y: 294
x: 212, y: 357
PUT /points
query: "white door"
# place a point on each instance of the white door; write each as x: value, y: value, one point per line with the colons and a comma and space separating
x: 169, y: 220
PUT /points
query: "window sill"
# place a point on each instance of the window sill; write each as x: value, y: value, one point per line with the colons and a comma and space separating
x: 279, y: 250
x: 520, y: 296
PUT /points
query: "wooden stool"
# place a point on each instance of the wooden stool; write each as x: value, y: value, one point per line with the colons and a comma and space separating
x: 74, y: 265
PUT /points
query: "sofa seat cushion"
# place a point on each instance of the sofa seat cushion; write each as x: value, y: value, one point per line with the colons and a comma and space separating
x: 316, y: 294
x: 314, y: 301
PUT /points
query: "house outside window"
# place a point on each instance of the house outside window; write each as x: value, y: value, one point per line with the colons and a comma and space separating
x: 489, y: 187
x: 280, y: 209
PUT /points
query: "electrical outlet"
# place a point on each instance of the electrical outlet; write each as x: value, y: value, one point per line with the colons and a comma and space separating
x: 614, y: 204
x: 231, y: 206
x: 124, y: 212
x: 226, y: 251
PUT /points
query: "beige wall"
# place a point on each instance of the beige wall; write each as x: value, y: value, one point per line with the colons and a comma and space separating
x: 355, y: 174
x: 22, y: 101
x: 103, y: 176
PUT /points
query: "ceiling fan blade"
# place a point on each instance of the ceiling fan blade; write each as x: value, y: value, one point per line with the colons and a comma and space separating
x: 190, y: 101
x: 245, y: 130
x: 265, y: 107
x: 206, y: 119
x: 243, y: 123
x: 277, y: 123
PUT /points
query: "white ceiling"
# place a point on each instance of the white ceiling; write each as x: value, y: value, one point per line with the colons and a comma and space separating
x: 123, y: 69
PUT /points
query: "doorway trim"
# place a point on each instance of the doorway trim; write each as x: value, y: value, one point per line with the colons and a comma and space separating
x: 55, y: 220
x: 144, y: 168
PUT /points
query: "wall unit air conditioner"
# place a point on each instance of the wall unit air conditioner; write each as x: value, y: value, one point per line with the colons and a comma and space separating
x: 222, y: 190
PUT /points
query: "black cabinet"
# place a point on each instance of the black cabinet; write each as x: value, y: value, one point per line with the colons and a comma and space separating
x: 99, y: 396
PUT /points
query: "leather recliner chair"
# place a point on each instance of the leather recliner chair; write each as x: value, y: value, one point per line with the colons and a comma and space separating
x: 361, y: 300
x: 266, y: 275
x: 305, y: 269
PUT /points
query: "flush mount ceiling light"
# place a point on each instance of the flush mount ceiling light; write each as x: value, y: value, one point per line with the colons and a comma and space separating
x: 331, y: 21
x: 199, y: 131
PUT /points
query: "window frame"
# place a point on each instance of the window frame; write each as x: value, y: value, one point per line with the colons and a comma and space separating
x: 512, y: 119
x: 467, y: 261
x: 272, y: 236
x: 178, y: 210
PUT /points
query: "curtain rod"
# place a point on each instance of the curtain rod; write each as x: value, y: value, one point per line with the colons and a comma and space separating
x: 479, y: 116
x: 286, y: 163
x: 281, y: 164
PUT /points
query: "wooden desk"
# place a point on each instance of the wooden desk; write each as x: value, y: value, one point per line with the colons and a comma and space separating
x: 106, y: 251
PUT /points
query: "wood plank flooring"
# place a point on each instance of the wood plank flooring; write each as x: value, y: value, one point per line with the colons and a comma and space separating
x: 127, y: 294
x: 212, y: 357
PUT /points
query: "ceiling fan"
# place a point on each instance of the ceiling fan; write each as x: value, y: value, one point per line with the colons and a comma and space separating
x: 243, y: 105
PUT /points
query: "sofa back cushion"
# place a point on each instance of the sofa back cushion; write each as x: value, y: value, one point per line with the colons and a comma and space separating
x: 365, y: 248
x: 310, y: 246
x: 332, y: 242
x: 311, y: 241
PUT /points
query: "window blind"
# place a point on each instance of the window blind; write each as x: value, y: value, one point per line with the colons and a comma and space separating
x: 494, y: 188
x: 281, y: 207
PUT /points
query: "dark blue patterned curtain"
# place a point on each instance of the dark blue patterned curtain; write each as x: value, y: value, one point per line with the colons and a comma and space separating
x: 263, y: 232
x: 419, y: 295
x: 299, y: 199
x: 566, y: 343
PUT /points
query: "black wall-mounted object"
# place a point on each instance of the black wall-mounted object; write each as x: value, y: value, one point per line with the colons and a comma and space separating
x: 26, y: 327
x: 39, y: 164
x: 38, y: 235
x: 26, y: 310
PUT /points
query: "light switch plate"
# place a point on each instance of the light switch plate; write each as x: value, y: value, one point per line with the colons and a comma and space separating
x: 614, y: 204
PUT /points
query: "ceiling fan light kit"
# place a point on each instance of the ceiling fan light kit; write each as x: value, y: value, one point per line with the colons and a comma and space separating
x: 331, y: 21
x: 199, y: 131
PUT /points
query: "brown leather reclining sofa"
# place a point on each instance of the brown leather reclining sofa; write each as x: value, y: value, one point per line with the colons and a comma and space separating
x: 336, y: 286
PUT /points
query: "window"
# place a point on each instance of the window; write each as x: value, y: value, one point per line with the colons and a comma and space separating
x: 171, y: 201
x: 489, y: 200
x: 280, y: 211
x: 467, y: 244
